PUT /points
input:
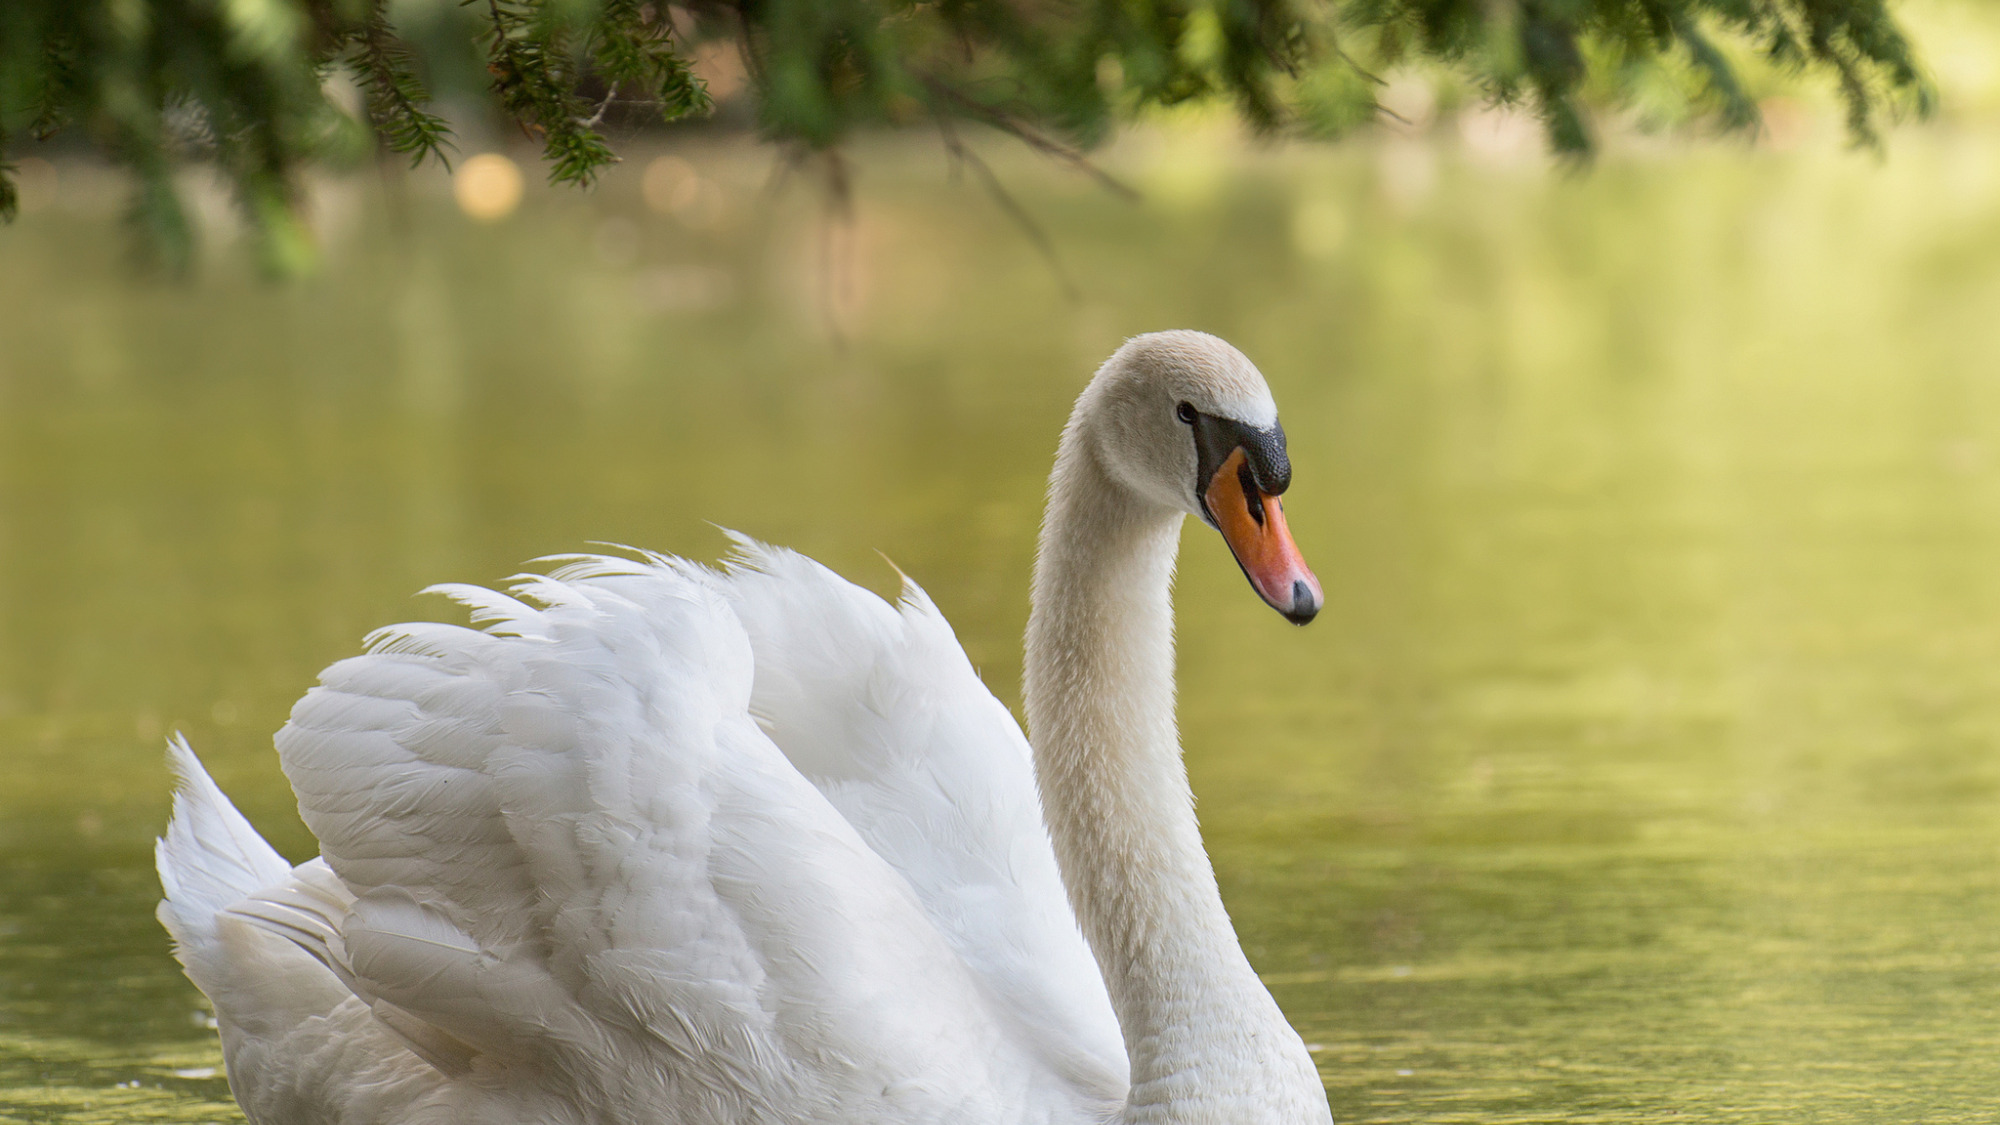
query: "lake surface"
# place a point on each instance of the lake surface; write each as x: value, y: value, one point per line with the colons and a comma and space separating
x: 1644, y: 765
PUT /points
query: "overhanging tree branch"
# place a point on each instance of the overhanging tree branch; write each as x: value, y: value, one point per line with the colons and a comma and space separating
x: 1056, y: 76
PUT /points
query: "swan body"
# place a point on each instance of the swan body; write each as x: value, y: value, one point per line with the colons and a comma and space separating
x: 663, y: 843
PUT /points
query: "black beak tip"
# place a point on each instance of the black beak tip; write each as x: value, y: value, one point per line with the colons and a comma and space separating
x: 1305, y: 607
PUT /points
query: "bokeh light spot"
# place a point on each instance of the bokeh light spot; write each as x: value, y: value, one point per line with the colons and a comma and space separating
x: 488, y: 187
x: 673, y: 187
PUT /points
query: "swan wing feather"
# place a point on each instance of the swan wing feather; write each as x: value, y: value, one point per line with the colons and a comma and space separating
x: 571, y: 850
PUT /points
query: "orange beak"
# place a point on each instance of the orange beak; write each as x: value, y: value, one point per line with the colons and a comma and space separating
x: 1252, y: 522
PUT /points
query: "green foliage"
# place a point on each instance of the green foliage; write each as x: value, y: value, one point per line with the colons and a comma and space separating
x: 542, y: 51
x: 1541, y: 50
x: 245, y: 84
x: 154, y: 81
x: 396, y: 97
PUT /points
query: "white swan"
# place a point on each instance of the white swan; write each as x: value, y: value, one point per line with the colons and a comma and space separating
x: 664, y: 844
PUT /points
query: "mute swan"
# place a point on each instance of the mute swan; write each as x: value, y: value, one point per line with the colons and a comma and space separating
x: 667, y: 844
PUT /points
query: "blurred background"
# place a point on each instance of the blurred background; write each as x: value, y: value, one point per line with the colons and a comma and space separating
x: 1645, y: 763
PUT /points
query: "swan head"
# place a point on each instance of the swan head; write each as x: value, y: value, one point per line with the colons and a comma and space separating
x: 1185, y: 421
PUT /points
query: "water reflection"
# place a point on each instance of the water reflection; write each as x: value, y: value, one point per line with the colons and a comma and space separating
x: 1642, y: 762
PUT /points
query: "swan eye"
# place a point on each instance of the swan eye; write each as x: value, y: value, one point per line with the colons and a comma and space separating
x: 1185, y: 413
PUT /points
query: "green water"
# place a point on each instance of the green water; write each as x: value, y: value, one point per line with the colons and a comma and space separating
x: 1644, y: 765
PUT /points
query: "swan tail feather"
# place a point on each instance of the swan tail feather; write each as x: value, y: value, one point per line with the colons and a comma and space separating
x: 210, y: 862
x: 210, y: 856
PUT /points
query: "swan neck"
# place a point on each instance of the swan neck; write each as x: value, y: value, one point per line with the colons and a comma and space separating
x: 1099, y: 694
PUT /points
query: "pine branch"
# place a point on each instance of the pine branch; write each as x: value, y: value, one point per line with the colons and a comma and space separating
x: 59, y: 89
x: 396, y: 97
x: 10, y: 192
x: 1738, y: 111
x: 528, y: 54
x: 634, y: 47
